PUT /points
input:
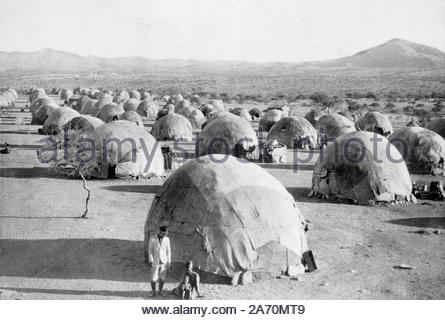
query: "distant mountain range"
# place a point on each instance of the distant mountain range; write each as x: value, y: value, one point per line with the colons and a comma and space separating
x: 395, y: 53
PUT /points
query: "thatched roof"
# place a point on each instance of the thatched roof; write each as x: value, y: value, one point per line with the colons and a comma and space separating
x: 243, y: 113
x: 39, y: 102
x: 65, y: 94
x: 121, y: 97
x: 132, y: 116
x: 110, y: 112
x: 218, y: 105
x: 57, y: 119
x: 314, y: 115
x: 256, y: 113
x: 437, y: 126
x: 14, y: 93
x: 172, y: 127
x: 170, y: 108
x: 334, y: 126
x: 363, y: 171
x: 294, y: 132
x: 228, y: 134
x: 228, y: 217
x: 104, y: 99
x: 83, y: 123
x: 36, y: 93
x: 269, y: 119
x: 131, y: 104
x: 134, y: 94
x: 147, y: 109
x: 197, y: 119
x: 194, y: 115
x: 182, y: 104
x: 138, y: 154
x: 423, y: 149
x: 144, y: 95
x: 80, y: 103
x: 90, y: 107
x: 43, y: 113
x: 186, y: 110
x: 375, y: 122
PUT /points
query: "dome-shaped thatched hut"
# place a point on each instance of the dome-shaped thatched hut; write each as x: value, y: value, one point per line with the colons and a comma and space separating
x: 134, y: 94
x: 375, y: 122
x: 90, y: 107
x: 148, y: 109
x: 57, y: 119
x: 39, y: 102
x: 423, y: 150
x: 355, y: 168
x: 241, y: 112
x: 131, y: 104
x: 84, y: 123
x: 172, y: 127
x: 43, y: 113
x: 294, y: 132
x: 314, y: 115
x: 332, y: 126
x: 132, y: 116
x: 110, y: 112
x: 269, y: 119
x: 121, y: 96
x: 228, y: 217
x: 255, y: 113
x: 65, y: 94
x: 80, y: 103
x: 138, y: 154
x: 228, y: 134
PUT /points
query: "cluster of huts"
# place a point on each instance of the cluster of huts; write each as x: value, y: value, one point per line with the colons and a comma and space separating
x: 223, y: 215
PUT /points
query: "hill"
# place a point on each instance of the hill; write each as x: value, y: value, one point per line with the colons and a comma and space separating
x: 395, y: 53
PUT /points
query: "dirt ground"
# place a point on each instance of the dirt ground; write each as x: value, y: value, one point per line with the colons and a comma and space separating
x: 47, y: 252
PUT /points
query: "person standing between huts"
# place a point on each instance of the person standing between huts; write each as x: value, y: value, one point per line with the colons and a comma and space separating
x: 159, y: 258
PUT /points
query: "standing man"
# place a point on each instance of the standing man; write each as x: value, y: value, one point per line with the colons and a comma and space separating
x: 159, y: 258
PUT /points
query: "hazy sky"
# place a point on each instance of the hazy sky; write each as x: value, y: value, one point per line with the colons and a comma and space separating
x: 255, y: 30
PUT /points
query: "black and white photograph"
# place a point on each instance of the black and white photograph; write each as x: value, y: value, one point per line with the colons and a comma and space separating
x: 213, y: 150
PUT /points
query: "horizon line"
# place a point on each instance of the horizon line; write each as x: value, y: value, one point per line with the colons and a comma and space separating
x: 216, y: 60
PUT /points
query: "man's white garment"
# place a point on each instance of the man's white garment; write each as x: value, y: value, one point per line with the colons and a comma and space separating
x: 159, y: 251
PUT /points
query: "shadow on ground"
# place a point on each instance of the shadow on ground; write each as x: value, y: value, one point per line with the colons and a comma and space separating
x: 146, y: 295
x: 107, y: 293
x: 426, y: 222
x: 301, y: 194
x: 34, y: 172
x: 135, y: 188
x: 289, y: 166
x: 102, y: 259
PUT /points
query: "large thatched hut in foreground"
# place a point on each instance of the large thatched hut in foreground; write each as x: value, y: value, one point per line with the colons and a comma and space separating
x: 228, y: 217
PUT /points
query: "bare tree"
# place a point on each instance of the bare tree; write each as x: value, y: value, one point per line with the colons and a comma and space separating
x: 75, y: 156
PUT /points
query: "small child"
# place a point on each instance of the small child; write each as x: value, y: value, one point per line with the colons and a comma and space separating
x: 190, y: 283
